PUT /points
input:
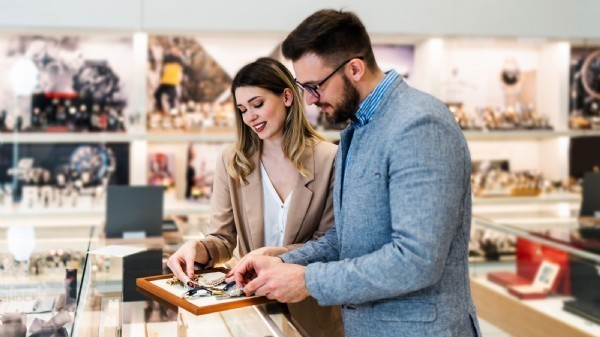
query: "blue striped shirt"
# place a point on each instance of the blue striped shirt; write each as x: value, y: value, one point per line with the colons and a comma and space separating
x: 368, y: 107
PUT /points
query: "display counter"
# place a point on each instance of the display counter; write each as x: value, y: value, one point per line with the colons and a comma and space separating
x: 51, y: 286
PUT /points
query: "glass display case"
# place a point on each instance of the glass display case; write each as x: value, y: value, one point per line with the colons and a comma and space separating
x: 39, y: 268
x: 550, y: 286
x: 51, y: 286
x: 110, y: 304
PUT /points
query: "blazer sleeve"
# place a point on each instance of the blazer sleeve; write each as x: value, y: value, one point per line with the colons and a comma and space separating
x: 324, y: 249
x: 428, y: 176
x: 221, y: 242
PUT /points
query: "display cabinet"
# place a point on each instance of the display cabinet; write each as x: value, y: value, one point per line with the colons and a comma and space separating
x: 40, y: 265
x: 549, y: 286
x: 110, y: 304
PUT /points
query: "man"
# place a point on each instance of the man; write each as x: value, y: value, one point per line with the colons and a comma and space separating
x: 396, y: 259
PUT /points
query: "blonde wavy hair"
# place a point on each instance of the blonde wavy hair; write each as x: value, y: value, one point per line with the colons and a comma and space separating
x: 270, y: 74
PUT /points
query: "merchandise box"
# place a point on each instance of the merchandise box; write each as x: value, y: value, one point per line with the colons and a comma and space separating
x: 507, y: 279
x: 545, y: 281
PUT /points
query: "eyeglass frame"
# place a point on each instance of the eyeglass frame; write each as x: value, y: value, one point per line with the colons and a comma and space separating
x: 313, y: 89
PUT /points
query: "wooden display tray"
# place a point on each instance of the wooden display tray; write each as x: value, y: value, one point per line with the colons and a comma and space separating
x: 155, y: 288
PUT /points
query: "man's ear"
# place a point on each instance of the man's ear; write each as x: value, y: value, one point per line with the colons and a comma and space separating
x: 356, y: 69
x: 288, y: 97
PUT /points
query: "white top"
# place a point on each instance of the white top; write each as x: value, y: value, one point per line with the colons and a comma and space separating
x: 275, y: 212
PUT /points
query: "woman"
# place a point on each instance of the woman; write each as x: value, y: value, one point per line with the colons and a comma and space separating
x: 272, y: 188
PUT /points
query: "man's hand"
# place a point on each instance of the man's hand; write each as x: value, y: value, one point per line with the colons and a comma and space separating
x: 181, y: 262
x: 270, y: 277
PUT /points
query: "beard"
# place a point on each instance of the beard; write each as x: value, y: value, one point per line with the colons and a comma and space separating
x: 348, y: 104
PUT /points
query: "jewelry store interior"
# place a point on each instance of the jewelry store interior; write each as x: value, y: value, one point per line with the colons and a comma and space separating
x: 105, y: 172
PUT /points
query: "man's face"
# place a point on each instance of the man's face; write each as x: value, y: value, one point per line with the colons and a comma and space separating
x: 336, y: 97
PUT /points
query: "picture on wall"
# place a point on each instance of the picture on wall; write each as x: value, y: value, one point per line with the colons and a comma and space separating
x: 46, y: 174
x: 161, y: 169
x: 187, y: 88
x: 584, y: 91
x: 202, y: 161
x: 61, y: 83
x: 189, y: 79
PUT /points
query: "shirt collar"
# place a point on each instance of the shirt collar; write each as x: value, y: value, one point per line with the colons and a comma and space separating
x: 367, y: 108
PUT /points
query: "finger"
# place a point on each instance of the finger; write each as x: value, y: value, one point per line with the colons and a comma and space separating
x: 255, y: 285
x: 175, y: 266
x: 189, y: 266
x: 239, y: 272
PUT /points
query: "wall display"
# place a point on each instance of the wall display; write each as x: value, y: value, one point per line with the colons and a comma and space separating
x: 584, y: 93
x: 161, y: 169
x: 65, y: 83
x: 493, y: 178
x: 61, y: 175
x: 202, y: 160
x: 493, y: 86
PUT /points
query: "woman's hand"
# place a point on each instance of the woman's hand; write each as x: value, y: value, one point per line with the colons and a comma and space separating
x: 182, y: 261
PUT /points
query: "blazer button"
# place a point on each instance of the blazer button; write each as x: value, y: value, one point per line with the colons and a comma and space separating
x: 348, y: 307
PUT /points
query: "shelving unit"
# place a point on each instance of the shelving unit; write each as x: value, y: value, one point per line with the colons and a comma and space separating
x: 438, y: 49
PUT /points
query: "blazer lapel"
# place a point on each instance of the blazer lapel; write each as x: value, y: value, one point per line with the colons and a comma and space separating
x: 301, y: 198
x: 253, y: 204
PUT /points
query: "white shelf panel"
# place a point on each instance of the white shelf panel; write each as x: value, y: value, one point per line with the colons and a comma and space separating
x: 188, y: 137
x: 89, y: 214
x: 332, y: 135
x: 526, y: 134
x: 541, y: 199
x: 69, y: 137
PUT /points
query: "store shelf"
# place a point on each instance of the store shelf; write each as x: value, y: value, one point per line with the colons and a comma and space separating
x: 526, y: 134
x: 107, y: 137
x: 223, y: 136
x: 90, y: 213
x: 121, y: 137
x: 68, y: 137
x: 571, y: 198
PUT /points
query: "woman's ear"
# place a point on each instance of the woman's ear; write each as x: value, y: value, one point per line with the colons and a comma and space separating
x: 288, y: 97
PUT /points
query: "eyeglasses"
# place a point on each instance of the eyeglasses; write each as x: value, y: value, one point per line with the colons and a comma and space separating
x: 313, y: 89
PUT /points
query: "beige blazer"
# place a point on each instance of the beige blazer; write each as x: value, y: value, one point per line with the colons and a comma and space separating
x: 237, y: 209
x: 237, y: 219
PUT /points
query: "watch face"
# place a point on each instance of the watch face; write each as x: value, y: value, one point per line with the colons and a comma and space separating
x: 591, y: 74
x: 97, y: 161
x: 511, y: 74
x: 510, y: 78
x: 96, y: 80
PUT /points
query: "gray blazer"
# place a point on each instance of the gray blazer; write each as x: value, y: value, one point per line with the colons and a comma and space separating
x: 396, y: 258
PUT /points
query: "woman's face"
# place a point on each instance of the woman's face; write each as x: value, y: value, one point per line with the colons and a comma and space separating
x: 263, y: 111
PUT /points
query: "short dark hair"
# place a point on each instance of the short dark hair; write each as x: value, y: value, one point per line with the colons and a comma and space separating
x: 333, y: 35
